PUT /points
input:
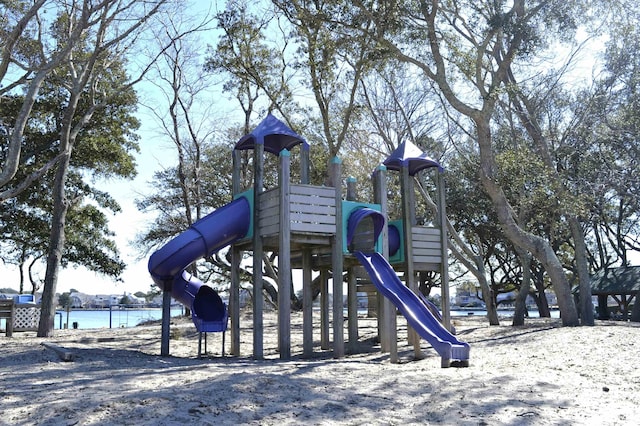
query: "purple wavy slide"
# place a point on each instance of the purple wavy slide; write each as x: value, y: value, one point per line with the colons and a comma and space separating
x: 453, y: 352
x: 167, y: 265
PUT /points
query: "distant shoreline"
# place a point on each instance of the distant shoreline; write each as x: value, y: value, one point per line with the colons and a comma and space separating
x: 118, y: 307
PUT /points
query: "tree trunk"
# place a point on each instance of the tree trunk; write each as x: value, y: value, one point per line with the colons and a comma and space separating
x: 487, y: 293
x: 521, y: 298
x: 585, y: 300
x: 538, y: 247
x: 473, y: 262
x: 56, y: 248
x: 541, y: 300
x: 59, y: 214
x: 21, y: 269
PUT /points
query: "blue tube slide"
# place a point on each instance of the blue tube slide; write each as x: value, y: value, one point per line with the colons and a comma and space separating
x: 206, y: 236
x: 375, y: 220
x: 451, y: 350
x: 358, y: 216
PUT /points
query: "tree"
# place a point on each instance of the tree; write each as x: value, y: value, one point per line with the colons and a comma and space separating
x: 334, y: 63
x: 167, y: 199
x: 102, y: 149
x: 64, y: 300
x: 94, y: 80
x: 474, y: 45
x: 24, y: 225
x: 25, y: 55
x: 399, y: 109
x: 183, y: 88
x: 612, y: 131
x: 28, y: 58
x: 199, y: 182
x: 254, y: 63
x: 258, y: 76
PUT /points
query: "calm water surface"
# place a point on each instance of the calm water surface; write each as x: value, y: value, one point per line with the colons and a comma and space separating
x: 116, y: 318
x: 121, y: 318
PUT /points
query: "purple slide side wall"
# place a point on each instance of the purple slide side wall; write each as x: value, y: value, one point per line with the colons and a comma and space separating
x: 394, y: 240
x: 413, y: 309
x: 361, y: 214
x: 208, y: 235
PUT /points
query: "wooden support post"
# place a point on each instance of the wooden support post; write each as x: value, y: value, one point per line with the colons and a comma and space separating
x: 324, y: 309
x: 352, y: 310
x: 352, y: 290
x: 387, y: 326
x: 284, y: 258
x: 234, y: 301
x: 7, y: 311
x: 307, y: 291
x: 307, y: 305
x: 258, y: 302
x: 444, y: 266
x: 166, y: 320
x: 408, y: 215
x: 304, y: 164
x: 337, y: 263
x: 236, y: 258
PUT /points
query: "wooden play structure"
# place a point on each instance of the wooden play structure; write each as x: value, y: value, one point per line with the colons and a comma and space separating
x: 306, y: 226
x: 420, y: 248
x: 313, y: 229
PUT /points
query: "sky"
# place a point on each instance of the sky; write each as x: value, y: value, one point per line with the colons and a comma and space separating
x: 124, y: 224
x: 154, y: 155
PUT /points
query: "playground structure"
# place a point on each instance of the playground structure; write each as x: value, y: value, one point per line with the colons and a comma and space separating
x: 313, y: 229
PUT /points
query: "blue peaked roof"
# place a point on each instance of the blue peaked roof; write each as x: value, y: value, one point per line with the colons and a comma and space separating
x: 409, y: 155
x: 273, y: 134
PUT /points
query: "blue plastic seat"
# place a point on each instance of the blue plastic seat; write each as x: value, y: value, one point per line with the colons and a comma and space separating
x: 210, y: 315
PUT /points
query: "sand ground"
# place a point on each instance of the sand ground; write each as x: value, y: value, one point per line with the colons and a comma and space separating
x: 538, y: 374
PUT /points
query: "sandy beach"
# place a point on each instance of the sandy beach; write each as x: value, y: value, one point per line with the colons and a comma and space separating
x: 539, y: 374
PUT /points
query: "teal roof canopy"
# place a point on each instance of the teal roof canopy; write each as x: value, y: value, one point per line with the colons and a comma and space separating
x: 620, y: 280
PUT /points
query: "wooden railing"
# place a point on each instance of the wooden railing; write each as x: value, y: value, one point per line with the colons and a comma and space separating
x: 312, y: 210
x: 427, y: 247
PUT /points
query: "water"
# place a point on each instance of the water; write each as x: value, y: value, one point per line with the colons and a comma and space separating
x: 122, y: 318
x: 533, y: 313
x: 116, y: 318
